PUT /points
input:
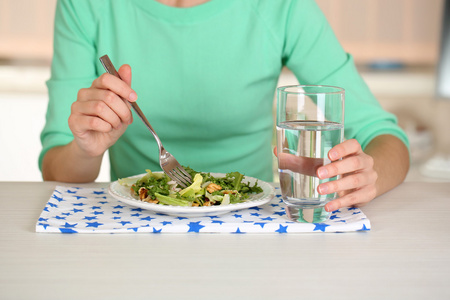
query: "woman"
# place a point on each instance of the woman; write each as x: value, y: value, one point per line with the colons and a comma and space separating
x: 205, y: 73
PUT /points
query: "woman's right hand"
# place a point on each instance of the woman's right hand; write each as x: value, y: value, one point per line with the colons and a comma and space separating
x: 99, y: 116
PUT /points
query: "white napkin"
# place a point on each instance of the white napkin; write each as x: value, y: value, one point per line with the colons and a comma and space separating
x: 93, y: 210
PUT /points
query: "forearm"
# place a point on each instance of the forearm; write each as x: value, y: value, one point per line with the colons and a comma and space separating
x: 391, y: 161
x: 69, y: 164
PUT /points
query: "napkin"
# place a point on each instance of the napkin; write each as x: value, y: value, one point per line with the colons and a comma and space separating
x: 93, y: 210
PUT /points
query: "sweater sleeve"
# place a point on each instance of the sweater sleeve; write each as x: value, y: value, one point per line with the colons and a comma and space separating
x: 313, y: 53
x: 73, y: 68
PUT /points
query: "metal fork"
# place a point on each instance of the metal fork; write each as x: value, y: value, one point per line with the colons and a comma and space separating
x: 167, y: 161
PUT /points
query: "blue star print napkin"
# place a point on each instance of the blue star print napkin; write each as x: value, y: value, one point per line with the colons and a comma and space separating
x: 93, y: 210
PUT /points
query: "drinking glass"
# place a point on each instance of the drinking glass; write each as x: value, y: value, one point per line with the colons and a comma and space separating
x: 310, y: 121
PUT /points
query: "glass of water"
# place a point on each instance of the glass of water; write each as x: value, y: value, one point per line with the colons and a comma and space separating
x: 310, y: 121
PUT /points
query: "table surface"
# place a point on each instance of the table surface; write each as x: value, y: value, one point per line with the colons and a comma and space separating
x: 406, y: 255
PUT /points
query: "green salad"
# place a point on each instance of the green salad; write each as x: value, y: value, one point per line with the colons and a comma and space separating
x: 205, y: 189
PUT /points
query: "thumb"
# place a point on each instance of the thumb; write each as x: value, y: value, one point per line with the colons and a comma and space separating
x: 125, y: 73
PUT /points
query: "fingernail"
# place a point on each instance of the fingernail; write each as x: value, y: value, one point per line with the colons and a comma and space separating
x: 330, y: 207
x: 132, y: 96
x: 323, y: 173
x: 323, y: 189
x: 333, y: 155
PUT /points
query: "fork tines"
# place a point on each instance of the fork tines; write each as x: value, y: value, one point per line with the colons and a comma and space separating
x: 180, y: 175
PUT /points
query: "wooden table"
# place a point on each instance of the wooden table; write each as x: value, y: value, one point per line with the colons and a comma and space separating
x: 406, y: 255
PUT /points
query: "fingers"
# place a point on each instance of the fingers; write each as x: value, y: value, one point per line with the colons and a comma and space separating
x: 353, y: 159
x: 344, y: 149
x: 125, y: 74
x: 356, y: 185
x: 353, y: 181
x: 81, y: 124
x: 120, y: 87
x: 358, y: 177
x: 299, y: 164
x: 104, y: 104
x: 355, y: 198
x: 349, y: 164
x: 103, y: 100
x: 85, y: 114
x: 100, y: 115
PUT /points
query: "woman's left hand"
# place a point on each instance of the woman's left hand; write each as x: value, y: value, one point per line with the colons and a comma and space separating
x: 357, y: 185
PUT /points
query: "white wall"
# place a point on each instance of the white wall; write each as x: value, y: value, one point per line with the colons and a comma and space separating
x: 23, y: 103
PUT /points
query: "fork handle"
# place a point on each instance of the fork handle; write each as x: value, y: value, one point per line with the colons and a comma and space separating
x: 109, y: 67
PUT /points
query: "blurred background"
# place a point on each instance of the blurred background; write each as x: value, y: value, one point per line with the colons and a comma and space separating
x: 397, y: 45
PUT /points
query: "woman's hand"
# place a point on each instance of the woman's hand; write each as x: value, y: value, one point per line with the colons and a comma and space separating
x: 99, y: 116
x: 357, y: 185
x: 358, y: 177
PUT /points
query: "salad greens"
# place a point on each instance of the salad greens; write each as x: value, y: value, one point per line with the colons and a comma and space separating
x: 205, y: 189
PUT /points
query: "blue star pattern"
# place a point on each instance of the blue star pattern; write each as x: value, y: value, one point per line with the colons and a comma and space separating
x: 320, y: 226
x: 93, y: 210
x: 282, y: 229
x: 195, y: 226
x: 238, y: 230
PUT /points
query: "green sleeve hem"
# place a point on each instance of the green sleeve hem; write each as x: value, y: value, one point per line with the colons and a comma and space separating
x: 365, y: 138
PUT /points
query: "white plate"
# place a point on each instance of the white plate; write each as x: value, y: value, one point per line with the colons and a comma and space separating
x: 123, y: 194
